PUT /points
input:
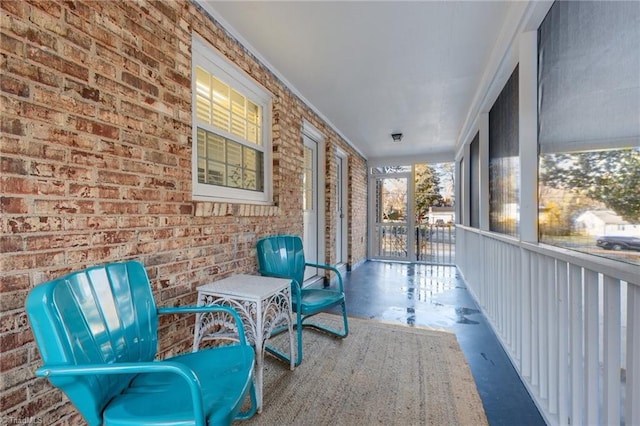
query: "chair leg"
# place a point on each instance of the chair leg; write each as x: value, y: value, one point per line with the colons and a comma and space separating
x: 300, y: 325
x: 332, y: 331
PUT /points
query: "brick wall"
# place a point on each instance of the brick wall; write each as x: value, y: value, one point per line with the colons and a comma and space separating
x: 96, y: 167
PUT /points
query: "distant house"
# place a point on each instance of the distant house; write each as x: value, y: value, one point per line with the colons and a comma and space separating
x: 440, y: 215
x: 605, y: 222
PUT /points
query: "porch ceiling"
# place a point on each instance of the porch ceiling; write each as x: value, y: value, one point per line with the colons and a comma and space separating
x: 372, y: 68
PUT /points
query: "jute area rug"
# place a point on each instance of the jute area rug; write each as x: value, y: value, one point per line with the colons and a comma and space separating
x: 380, y: 374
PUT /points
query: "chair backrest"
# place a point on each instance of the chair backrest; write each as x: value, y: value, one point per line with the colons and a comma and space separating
x: 282, y: 255
x: 104, y: 314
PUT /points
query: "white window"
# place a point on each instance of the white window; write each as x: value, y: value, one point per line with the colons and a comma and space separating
x: 231, y: 131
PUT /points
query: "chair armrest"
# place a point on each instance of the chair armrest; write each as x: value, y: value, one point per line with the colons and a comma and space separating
x: 205, y: 309
x: 134, y: 368
x: 331, y: 268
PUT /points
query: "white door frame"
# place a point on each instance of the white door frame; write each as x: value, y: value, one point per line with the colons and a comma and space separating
x: 310, y: 134
x: 410, y: 222
x: 342, y: 209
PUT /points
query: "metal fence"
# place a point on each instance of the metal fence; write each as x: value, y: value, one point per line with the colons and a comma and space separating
x: 431, y: 243
x: 436, y: 244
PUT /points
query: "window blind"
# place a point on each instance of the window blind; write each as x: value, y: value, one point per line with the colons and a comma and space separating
x: 589, y: 76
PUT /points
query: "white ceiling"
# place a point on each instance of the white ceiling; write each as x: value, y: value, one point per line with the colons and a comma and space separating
x: 372, y: 68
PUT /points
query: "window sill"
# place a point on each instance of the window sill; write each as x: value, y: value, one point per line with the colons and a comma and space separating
x: 216, y: 209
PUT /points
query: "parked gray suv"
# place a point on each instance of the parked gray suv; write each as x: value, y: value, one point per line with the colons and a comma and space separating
x: 611, y: 242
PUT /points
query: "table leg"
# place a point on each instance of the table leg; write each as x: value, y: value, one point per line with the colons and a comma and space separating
x: 196, y: 333
x: 291, y: 344
x: 259, y: 372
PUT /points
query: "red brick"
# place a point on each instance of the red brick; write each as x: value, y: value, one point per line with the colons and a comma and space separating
x: 10, y: 106
x: 109, y: 85
x: 57, y: 63
x: 11, y: 399
x: 93, y: 256
x: 42, y: 38
x: 121, y: 150
x: 105, y: 68
x: 160, y: 52
x: 21, y: 68
x: 91, y: 191
x: 57, y: 135
x: 79, y: 39
x: 17, y: 8
x: 161, y: 158
x: 14, y: 301
x: 135, y: 53
x: 17, y: 185
x: 66, y: 101
x: 10, y: 244
x: 34, y: 406
x: 50, y: 9
x: 121, y: 208
x: 27, y: 186
x: 57, y: 241
x: 125, y: 179
x: 168, y: 9
x: 13, y: 86
x: 151, y: 247
x: 181, y: 79
x: 61, y: 171
x: 75, y: 54
x: 121, y: 61
x: 139, y: 83
x: 13, y: 205
x: 57, y: 207
x: 41, y: 113
x: 13, y: 166
x: 138, y: 222
x: 139, y: 112
x: 94, y: 159
x: 131, y: 26
x: 13, y: 321
x: 177, y: 102
x: 90, y: 222
x: 14, y: 283
x: 28, y: 224
x: 97, y: 32
x: 155, y: 234
x: 138, y: 194
x: 112, y: 237
x: 16, y: 340
x: 14, y: 126
x: 94, y: 127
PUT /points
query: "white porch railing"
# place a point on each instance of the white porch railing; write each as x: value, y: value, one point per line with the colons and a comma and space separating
x: 427, y: 243
x: 570, y: 323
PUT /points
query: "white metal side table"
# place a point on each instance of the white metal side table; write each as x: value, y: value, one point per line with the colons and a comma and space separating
x: 263, y: 303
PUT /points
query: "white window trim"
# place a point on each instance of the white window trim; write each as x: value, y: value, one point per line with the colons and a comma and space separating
x: 208, y: 58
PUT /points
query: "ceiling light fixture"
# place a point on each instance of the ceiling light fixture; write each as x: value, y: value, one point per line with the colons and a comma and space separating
x: 397, y: 137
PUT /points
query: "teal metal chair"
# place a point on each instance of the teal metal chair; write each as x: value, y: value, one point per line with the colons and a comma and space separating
x: 96, y: 330
x: 283, y: 256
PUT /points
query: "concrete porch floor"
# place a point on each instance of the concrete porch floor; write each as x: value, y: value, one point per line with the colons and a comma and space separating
x: 437, y: 296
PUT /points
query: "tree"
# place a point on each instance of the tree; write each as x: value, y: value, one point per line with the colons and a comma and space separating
x: 427, y: 193
x: 611, y: 177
